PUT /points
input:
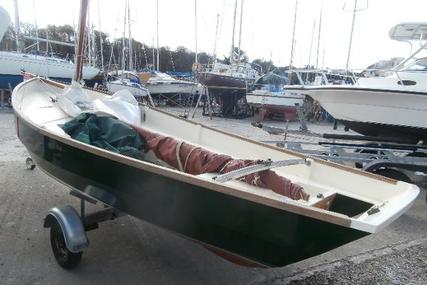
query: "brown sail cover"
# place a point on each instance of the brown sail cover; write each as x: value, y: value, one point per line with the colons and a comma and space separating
x: 196, y: 160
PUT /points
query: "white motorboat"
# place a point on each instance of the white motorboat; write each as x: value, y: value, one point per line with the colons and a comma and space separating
x: 162, y: 83
x: 390, y: 106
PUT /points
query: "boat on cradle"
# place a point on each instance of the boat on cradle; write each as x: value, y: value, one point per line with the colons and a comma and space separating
x: 391, y: 106
x: 159, y: 83
x: 126, y: 80
x: 13, y: 63
x: 270, y: 95
x: 334, y: 204
x: 228, y: 83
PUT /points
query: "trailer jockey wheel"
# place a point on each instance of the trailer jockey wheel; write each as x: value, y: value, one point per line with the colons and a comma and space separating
x: 63, y: 256
x: 29, y: 163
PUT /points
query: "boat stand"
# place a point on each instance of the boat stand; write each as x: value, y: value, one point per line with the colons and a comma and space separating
x: 205, y: 93
x: 68, y: 229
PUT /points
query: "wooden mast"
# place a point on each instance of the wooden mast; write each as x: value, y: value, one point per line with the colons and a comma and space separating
x: 80, y: 43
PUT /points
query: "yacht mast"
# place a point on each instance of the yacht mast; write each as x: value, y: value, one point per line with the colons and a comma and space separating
x: 100, y: 38
x: 293, y: 36
x: 351, y: 34
x: 89, y: 38
x: 130, y: 41
x: 80, y: 43
x: 35, y: 27
x: 154, y: 62
x: 124, y: 43
x: 195, y: 31
x: 311, y: 42
x: 240, y: 30
x: 17, y: 28
x: 158, y: 54
x: 216, y: 38
x: 318, y: 35
x: 232, y: 36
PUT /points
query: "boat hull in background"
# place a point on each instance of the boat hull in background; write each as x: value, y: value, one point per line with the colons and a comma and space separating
x: 374, y: 112
x: 173, y: 88
x: 275, y: 103
x: 12, y: 64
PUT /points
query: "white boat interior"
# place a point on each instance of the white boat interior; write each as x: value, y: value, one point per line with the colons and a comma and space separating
x: 32, y: 101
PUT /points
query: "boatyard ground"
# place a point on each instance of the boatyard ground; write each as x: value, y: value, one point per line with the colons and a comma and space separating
x: 130, y: 251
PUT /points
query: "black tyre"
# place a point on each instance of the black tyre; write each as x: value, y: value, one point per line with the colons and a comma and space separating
x: 392, y: 173
x: 65, y: 258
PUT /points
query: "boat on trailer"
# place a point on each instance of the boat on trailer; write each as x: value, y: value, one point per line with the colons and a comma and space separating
x: 285, y: 207
x: 388, y: 106
x: 267, y: 229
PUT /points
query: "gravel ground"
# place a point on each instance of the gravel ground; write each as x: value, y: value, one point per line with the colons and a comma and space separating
x: 130, y: 251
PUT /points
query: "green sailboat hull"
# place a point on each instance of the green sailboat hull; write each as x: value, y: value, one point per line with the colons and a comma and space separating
x: 247, y: 230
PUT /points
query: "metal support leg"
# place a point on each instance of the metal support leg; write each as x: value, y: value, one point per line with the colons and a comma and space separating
x: 301, y: 118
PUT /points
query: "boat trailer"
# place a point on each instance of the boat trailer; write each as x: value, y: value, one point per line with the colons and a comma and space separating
x: 380, y: 155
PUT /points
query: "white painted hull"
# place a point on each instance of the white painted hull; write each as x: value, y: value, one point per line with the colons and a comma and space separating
x: 136, y: 91
x: 386, y: 107
x: 173, y: 88
x: 276, y: 101
x: 13, y: 63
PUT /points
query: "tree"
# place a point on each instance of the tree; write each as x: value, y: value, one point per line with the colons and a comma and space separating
x: 266, y: 66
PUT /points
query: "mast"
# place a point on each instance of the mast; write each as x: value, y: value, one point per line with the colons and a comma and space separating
x: 240, y: 30
x: 232, y: 36
x: 100, y: 38
x: 311, y: 42
x: 154, y: 62
x: 195, y: 31
x: 124, y: 43
x: 130, y: 41
x: 17, y: 28
x: 216, y: 37
x: 80, y: 43
x: 89, y: 41
x: 158, y: 54
x: 318, y: 36
x: 351, y: 34
x: 35, y: 27
x: 293, y: 36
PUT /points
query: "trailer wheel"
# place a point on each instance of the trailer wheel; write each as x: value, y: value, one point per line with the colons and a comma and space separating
x: 65, y: 258
x: 392, y: 173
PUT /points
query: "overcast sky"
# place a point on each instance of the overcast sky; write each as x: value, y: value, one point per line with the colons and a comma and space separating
x: 267, y: 25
